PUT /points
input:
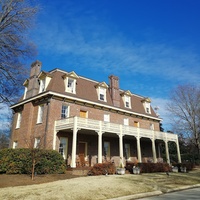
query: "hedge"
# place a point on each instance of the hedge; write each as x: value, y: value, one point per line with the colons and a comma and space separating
x: 102, y: 169
x: 149, y: 167
x: 19, y: 161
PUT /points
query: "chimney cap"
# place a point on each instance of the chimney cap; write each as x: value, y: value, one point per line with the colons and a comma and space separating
x: 37, y: 62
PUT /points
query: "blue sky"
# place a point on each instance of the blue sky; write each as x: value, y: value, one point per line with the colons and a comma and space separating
x: 152, y: 45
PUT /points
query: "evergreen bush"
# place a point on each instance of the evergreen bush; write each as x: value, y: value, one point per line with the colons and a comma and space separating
x: 19, y: 161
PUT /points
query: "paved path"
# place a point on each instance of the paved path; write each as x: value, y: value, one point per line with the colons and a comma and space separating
x: 190, y: 194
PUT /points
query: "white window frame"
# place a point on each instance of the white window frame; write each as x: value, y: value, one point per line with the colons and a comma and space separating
x: 40, y: 114
x: 37, y: 142
x: 25, y: 92
x: 71, y: 85
x: 42, y: 85
x: 102, y: 94
x: 106, y: 118
x: 127, y: 101
x: 126, y: 121
x: 64, y: 113
x: 15, y: 144
x: 19, y: 119
x: 151, y: 126
x: 147, y: 107
x: 63, y: 147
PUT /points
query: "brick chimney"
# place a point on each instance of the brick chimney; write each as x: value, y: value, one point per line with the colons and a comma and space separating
x: 114, y: 90
x: 33, y: 85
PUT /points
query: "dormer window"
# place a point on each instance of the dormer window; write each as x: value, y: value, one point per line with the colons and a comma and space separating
x: 25, y: 87
x: 126, y: 96
x: 43, y: 80
x: 101, y: 91
x: 147, y: 105
x: 127, y: 101
x: 70, y: 80
x: 102, y: 94
x: 71, y: 83
x: 42, y: 86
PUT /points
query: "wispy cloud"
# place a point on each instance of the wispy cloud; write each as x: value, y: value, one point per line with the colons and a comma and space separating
x: 97, y: 47
x: 161, y: 104
x: 5, y: 117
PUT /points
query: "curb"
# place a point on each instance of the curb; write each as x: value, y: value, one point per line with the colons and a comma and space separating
x: 182, y: 188
x: 137, y: 196
x: 155, y: 193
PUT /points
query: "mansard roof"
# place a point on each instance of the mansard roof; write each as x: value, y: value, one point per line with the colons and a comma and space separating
x: 86, y: 90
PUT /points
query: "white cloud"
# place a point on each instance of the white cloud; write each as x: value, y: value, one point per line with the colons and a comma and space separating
x: 163, y: 113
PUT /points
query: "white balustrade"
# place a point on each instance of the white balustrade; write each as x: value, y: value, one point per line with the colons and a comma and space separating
x: 91, y: 124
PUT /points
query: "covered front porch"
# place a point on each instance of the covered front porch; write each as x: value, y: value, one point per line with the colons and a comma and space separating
x: 84, y: 141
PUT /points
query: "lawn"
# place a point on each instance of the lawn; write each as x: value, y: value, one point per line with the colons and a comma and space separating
x: 67, y: 186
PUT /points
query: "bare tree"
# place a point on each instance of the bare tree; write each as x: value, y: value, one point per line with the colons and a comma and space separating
x: 4, y: 140
x: 35, y: 143
x: 185, y: 109
x: 15, y: 20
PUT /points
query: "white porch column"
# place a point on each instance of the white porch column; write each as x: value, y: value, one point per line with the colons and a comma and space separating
x: 178, y: 150
x: 54, y: 137
x: 154, y: 151
x: 167, y: 152
x: 74, y: 142
x: 139, y: 150
x: 100, y: 143
x: 121, y: 154
x: 138, y: 146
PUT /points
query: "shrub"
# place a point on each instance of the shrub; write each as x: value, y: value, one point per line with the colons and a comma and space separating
x: 148, y: 167
x: 102, y: 169
x: 154, y: 167
x: 19, y: 161
x: 189, y: 166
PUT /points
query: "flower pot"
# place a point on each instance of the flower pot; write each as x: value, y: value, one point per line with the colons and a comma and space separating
x: 121, y: 171
x: 175, y: 169
x: 136, y: 170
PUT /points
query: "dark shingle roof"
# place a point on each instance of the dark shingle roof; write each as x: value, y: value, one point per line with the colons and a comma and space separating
x: 86, y: 90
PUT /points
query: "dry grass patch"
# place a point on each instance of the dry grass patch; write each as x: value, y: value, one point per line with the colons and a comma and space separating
x: 101, y: 187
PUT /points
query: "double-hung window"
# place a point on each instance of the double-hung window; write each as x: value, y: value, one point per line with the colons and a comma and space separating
x: 127, y: 101
x: 64, y: 111
x: 40, y: 114
x: 102, y: 94
x: 71, y: 83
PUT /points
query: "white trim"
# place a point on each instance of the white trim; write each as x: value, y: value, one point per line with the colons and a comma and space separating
x: 15, y: 144
x: 81, y: 100
x: 40, y: 114
x: 19, y: 119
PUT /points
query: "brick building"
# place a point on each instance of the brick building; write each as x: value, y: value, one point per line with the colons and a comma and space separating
x: 87, y: 121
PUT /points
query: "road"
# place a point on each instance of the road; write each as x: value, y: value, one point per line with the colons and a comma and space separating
x: 189, y: 194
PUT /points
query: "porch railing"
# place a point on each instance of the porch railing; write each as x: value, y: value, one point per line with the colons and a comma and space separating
x: 97, y: 125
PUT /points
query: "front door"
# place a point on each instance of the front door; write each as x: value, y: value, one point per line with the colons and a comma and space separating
x: 82, y: 153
